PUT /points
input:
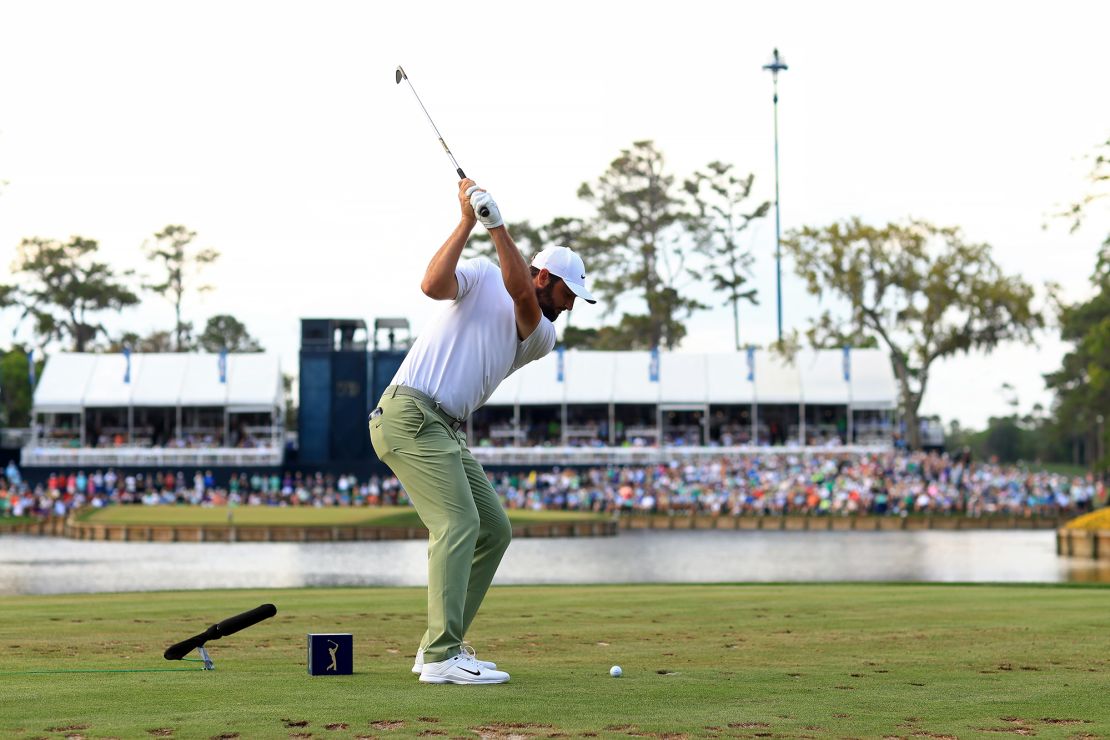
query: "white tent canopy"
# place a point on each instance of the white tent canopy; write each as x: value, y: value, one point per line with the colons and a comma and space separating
x: 814, y: 377
x: 73, y: 381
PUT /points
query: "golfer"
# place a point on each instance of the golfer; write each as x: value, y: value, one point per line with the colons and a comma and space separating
x: 498, y: 320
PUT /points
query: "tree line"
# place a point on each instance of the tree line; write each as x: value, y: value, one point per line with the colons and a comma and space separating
x: 62, y: 290
x: 660, y: 247
x: 1075, y: 429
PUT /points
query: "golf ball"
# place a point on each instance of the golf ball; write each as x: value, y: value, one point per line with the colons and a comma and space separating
x: 615, y: 671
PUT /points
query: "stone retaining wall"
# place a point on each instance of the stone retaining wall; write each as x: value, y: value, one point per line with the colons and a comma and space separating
x: 1083, y: 543
x: 800, y: 522
x: 1068, y: 541
x: 56, y: 527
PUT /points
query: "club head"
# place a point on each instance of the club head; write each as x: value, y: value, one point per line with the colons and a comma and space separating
x: 400, y: 74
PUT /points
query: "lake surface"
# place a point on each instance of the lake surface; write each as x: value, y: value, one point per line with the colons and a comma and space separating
x: 42, y: 565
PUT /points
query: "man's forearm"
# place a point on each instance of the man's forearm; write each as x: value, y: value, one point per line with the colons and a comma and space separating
x: 514, y: 270
x: 439, y: 279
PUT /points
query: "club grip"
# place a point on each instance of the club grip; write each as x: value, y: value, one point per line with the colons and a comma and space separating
x: 231, y: 625
x: 462, y: 176
x: 183, y: 648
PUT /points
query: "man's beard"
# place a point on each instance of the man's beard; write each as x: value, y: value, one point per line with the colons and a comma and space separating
x: 546, y: 298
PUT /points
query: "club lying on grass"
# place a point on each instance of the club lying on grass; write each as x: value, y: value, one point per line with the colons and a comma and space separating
x: 229, y: 626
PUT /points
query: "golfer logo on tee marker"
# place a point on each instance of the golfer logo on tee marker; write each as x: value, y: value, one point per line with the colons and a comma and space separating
x: 498, y: 320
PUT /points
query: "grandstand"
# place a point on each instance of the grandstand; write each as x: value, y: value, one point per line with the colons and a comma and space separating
x: 630, y: 407
x: 141, y: 410
x: 569, y: 408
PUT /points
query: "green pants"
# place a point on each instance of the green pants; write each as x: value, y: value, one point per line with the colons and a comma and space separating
x: 468, y: 531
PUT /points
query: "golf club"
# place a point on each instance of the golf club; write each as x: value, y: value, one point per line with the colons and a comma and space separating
x: 400, y: 75
x: 229, y: 626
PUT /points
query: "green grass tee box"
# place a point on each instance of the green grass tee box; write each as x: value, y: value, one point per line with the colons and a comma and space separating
x: 827, y: 660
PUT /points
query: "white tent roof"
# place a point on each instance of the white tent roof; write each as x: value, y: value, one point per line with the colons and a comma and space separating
x: 72, y: 381
x: 822, y: 377
x: 727, y: 375
x: 873, y: 383
x: 632, y: 379
x: 815, y: 376
x: 63, y: 391
x: 253, y: 382
x: 160, y: 382
x: 202, y: 386
x: 589, y: 376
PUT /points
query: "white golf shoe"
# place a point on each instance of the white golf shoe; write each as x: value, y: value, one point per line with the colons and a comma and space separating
x: 461, y: 669
x: 418, y: 666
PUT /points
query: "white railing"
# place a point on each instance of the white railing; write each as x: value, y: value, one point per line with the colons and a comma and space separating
x: 43, y: 457
x: 545, y: 456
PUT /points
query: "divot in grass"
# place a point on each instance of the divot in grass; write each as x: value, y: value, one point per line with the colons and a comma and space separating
x: 388, y: 724
x: 1008, y: 730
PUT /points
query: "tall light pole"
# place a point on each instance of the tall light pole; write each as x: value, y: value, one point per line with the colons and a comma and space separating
x: 776, y: 65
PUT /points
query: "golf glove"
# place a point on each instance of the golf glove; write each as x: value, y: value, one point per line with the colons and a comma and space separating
x: 482, y: 200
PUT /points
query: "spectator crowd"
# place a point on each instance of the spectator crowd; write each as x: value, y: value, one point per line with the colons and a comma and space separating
x: 891, y: 483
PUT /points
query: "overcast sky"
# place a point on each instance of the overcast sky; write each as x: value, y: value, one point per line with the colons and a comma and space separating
x: 275, y: 130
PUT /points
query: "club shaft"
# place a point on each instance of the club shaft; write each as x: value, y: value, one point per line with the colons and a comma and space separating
x: 435, y: 128
x: 458, y: 170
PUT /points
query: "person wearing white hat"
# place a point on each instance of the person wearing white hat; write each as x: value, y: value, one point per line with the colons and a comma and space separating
x: 498, y: 320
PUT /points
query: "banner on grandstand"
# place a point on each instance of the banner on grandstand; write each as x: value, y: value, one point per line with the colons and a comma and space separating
x: 223, y: 365
x: 127, y: 368
x: 751, y: 363
x: 653, y: 366
x: 847, y: 364
x: 31, y: 368
x: 559, y: 351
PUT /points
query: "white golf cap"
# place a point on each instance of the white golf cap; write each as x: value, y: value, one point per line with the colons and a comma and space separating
x: 564, y: 263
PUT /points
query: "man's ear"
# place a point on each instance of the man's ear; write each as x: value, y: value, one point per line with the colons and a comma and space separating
x: 543, y: 277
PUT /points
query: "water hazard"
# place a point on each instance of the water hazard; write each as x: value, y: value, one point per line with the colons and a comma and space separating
x: 42, y: 565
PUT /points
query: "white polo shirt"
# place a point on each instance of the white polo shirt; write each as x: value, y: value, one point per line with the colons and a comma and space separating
x: 472, y: 345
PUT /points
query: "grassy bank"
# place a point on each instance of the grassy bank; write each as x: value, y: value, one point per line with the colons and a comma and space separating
x: 1098, y: 519
x: 300, y: 516
x: 842, y: 660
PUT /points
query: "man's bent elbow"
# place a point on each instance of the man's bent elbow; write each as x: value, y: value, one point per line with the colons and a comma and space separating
x: 435, y: 291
